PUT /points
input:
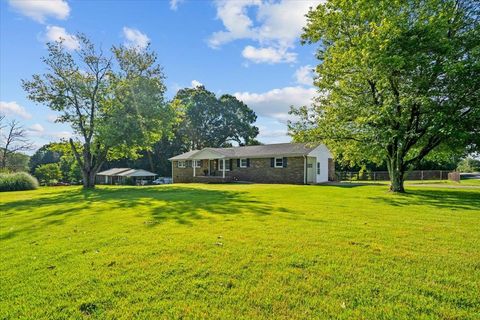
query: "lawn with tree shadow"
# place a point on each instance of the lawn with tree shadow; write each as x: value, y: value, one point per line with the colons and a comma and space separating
x: 240, y: 252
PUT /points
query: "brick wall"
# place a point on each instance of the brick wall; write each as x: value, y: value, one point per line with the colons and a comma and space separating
x: 259, y: 171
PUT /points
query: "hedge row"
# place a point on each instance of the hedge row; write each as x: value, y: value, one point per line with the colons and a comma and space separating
x: 17, y: 181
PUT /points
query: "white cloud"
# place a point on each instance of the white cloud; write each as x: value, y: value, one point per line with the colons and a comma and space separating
x: 52, y: 118
x: 54, y: 33
x: 135, y: 38
x: 39, y: 10
x: 268, y: 55
x: 272, y: 131
x: 60, y: 135
x: 276, y: 25
x: 12, y: 108
x: 276, y: 103
x: 236, y: 21
x: 196, y: 83
x: 36, y: 128
x: 304, y: 75
x: 174, y: 4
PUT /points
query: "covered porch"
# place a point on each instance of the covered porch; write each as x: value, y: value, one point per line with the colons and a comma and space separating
x: 208, y: 166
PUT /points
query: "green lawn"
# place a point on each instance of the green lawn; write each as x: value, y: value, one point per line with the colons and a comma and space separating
x: 240, y: 252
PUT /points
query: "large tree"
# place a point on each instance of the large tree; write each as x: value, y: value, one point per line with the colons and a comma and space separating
x: 396, y: 80
x: 115, y: 110
x: 208, y: 121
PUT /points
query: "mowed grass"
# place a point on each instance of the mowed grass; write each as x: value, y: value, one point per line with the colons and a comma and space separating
x: 240, y: 252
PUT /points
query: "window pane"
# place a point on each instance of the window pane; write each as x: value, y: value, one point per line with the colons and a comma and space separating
x: 278, y: 162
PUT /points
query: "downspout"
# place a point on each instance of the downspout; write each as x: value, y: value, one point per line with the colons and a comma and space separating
x: 304, y: 169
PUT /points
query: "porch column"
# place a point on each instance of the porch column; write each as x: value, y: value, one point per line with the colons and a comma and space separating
x: 194, y: 164
x: 223, y: 171
x: 209, y: 167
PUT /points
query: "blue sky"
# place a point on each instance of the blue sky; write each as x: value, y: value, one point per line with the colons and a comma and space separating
x: 247, y: 48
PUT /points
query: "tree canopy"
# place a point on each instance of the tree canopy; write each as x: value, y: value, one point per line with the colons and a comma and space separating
x: 397, y: 80
x: 208, y: 121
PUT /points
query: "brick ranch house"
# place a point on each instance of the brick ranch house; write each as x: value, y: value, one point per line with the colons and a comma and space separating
x: 295, y: 163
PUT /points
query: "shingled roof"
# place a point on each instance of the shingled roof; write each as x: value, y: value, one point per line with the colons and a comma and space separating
x: 267, y: 150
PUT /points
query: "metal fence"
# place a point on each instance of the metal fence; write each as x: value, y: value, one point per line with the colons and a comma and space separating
x: 384, y: 176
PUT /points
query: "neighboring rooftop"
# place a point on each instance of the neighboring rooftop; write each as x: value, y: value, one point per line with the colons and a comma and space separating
x: 126, y: 172
x: 284, y: 149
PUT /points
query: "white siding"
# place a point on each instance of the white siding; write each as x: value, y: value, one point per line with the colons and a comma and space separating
x: 321, y: 153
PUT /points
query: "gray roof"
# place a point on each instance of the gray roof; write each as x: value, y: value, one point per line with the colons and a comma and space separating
x: 267, y: 150
x: 137, y: 173
x: 112, y: 172
x: 126, y: 172
x: 185, y: 155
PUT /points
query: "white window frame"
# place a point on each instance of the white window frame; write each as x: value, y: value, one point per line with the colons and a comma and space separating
x: 220, y: 165
x: 275, y: 162
x: 242, y: 164
x: 182, y: 163
x: 196, y: 163
x: 318, y: 168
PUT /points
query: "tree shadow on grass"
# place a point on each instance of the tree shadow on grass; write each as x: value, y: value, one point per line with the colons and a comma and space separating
x: 158, y: 204
x: 348, y: 185
x: 443, y: 199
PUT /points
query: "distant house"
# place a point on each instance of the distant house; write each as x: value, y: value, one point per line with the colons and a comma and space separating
x: 296, y: 163
x: 123, y: 175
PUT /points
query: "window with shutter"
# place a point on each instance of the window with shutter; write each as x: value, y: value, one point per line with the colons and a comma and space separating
x: 279, y: 162
x: 243, y: 163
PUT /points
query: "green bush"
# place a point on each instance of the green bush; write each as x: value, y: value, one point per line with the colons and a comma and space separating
x: 49, y: 173
x: 17, y: 181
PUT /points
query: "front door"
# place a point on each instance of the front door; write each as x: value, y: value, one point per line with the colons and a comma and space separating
x: 311, y: 170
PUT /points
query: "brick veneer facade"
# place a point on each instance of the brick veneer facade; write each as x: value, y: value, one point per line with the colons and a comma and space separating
x: 259, y: 170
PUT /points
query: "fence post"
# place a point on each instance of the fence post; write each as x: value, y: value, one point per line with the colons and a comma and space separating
x: 374, y: 176
x: 422, y: 174
x: 440, y: 174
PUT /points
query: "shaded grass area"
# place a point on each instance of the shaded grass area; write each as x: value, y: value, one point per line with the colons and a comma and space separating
x: 465, y: 182
x: 240, y: 252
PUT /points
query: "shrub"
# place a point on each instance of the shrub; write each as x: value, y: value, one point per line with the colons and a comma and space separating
x: 17, y: 181
x: 48, y: 173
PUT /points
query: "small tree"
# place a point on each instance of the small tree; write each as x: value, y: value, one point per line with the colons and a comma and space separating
x: 13, y: 139
x: 48, y: 173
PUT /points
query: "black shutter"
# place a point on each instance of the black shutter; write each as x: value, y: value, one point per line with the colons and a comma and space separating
x: 238, y: 163
x: 231, y: 164
x: 176, y: 164
x: 200, y: 163
x: 272, y: 162
x: 284, y: 162
x: 248, y: 163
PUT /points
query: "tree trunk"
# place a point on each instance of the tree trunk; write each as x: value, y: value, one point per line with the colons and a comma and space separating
x: 396, y: 181
x: 88, y: 179
x: 397, y: 175
x: 150, y: 161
